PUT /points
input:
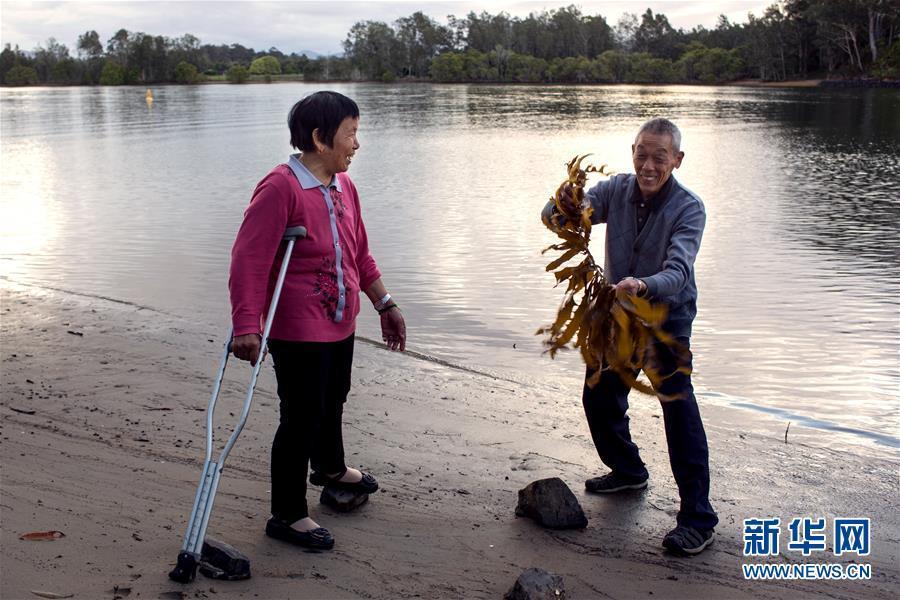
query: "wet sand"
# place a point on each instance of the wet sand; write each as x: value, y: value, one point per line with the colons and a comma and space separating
x: 113, y: 450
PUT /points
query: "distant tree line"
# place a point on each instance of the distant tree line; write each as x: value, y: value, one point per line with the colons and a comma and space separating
x: 139, y: 58
x: 792, y: 39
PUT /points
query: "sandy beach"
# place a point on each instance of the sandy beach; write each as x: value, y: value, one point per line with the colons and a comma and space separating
x: 101, y: 438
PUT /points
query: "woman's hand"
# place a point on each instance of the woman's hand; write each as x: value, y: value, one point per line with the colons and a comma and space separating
x: 246, y: 347
x: 393, y: 329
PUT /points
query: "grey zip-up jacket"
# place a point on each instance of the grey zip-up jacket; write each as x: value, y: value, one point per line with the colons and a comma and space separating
x: 663, y: 254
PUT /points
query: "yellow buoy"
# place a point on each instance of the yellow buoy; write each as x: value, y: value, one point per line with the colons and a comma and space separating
x: 149, y: 96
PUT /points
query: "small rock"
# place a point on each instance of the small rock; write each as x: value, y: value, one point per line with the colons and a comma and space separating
x: 536, y: 584
x: 552, y: 504
x: 342, y: 500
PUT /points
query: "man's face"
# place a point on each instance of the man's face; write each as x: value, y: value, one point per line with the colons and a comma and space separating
x: 654, y: 160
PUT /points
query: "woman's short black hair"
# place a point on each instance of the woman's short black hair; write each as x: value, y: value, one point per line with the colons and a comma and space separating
x: 324, y: 111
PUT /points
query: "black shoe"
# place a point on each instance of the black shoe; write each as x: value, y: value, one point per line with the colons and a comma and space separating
x: 315, y: 539
x: 367, y: 485
x: 611, y: 483
x: 687, y: 540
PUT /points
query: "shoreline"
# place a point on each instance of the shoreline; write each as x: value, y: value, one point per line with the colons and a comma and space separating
x: 113, y: 451
x: 852, y: 83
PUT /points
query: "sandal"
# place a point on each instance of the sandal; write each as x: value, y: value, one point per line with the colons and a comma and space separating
x: 685, y: 540
x: 315, y: 539
x: 366, y: 485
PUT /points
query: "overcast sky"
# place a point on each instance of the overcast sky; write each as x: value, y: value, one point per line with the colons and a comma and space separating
x: 296, y: 26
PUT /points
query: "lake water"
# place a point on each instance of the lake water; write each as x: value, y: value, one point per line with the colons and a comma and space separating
x: 799, y: 272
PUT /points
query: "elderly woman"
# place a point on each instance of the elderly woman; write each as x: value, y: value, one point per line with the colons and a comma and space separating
x: 311, y: 340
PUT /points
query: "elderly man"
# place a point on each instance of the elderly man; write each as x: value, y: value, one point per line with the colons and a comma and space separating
x: 654, y: 226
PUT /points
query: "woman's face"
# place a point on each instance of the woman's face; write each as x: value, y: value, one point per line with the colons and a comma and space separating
x: 344, y: 145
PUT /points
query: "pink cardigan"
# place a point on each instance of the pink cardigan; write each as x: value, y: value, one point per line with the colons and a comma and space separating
x: 319, y: 301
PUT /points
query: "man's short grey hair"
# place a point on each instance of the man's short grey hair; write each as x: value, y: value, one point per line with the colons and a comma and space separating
x: 660, y: 126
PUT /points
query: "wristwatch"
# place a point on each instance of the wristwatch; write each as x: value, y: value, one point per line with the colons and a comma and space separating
x: 642, y: 287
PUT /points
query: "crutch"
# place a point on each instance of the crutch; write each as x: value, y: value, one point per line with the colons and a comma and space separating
x: 186, y: 568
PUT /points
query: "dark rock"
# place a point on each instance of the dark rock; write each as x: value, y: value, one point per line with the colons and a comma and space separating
x: 222, y: 561
x: 536, y: 584
x: 552, y: 504
x: 342, y: 500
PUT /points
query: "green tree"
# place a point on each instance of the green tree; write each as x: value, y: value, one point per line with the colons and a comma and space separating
x: 478, y: 66
x: 68, y: 71
x: 185, y: 72
x: 527, y: 69
x: 616, y: 64
x: 599, y: 35
x: 571, y: 69
x: 656, y: 36
x: 372, y: 47
x: 46, y: 58
x: 90, y: 49
x: 721, y: 65
x: 117, y: 46
x: 112, y: 73
x: 21, y: 75
x: 448, y: 67
x: 8, y: 59
x: 646, y: 68
x: 266, y: 66
x: 237, y: 74
x: 568, y: 33
x: 421, y: 39
x: 888, y: 65
x: 485, y: 31
x: 89, y: 44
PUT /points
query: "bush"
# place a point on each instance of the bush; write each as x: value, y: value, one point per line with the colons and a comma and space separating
x: 237, y: 74
x: 614, y: 65
x: 649, y: 69
x: 888, y: 65
x: 20, y: 75
x: 523, y: 68
x: 447, y: 67
x: 571, y: 69
x: 265, y: 65
x: 112, y: 73
x: 133, y: 76
x: 388, y: 77
x: 185, y: 72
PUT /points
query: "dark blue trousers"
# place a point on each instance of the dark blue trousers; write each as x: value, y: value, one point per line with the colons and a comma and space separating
x: 606, y: 406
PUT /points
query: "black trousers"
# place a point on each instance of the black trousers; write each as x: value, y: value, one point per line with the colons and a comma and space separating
x: 606, y: 406
x: 313, y: 382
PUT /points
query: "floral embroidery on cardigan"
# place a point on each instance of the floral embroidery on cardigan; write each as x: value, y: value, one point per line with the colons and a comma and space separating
x: 337, y: 198
x: 326, y: 286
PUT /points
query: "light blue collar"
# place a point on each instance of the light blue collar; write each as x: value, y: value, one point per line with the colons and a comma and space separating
x: 307, y: 179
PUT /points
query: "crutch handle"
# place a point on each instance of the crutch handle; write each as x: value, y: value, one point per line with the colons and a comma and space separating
x: 293, y: 233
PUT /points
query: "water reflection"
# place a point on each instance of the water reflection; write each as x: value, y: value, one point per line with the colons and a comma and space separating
x: 27, y: 224
x: 797, y: 274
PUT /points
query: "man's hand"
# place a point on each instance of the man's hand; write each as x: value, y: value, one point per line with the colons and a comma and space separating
x: 393, y: 329
x: 631, y: 286
x: 567, y: 201
x: 246, y: 347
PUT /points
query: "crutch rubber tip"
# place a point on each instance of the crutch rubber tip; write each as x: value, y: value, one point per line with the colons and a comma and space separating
x: 185, y: 569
